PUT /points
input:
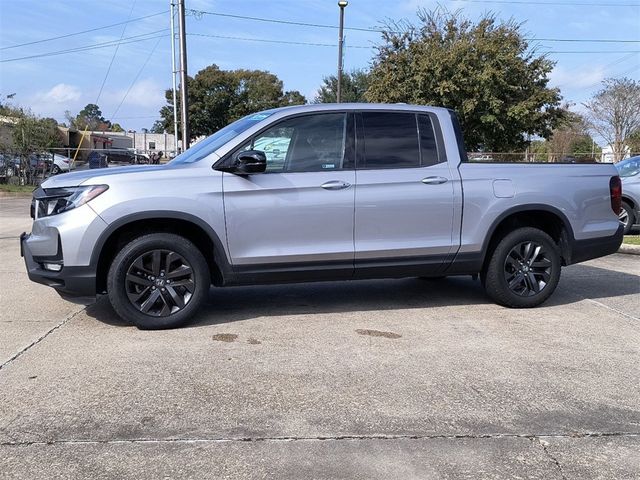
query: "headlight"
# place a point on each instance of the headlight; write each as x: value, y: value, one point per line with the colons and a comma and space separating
x: 52, y: 201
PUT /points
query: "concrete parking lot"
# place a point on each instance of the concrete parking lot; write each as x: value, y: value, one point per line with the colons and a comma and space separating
x: 371, y: 379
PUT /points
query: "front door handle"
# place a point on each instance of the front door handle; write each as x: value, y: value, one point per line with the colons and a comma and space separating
x: 434, y: 180
x: 335, y: 185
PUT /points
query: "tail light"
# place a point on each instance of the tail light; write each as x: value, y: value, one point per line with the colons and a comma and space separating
x: 615, y: 189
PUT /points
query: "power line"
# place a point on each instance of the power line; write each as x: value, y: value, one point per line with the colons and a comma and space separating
x: 378, y: 30
x: 199, y: 13
x: 583, y: 40
x: 592, y: 51
x: 153, y: 35
x: 84, y: 31
x: 95, y: 46
x: 570, y: 4
x: 113, y: 57
x: 144, y: 65
x: 265, y: 40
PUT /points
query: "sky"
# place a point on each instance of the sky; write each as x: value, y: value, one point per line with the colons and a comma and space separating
x: 129, y: 86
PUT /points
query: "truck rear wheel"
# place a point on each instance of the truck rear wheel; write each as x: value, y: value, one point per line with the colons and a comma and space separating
x: 158, y: 281
x: 524, y: 269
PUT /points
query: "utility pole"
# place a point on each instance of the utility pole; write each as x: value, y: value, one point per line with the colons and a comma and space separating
x: 173, y: 76
x: 341, y: 4
x: 184, y: 107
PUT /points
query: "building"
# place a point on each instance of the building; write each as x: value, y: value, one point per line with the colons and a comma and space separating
x: 608, y: 157
x: 140, y: 142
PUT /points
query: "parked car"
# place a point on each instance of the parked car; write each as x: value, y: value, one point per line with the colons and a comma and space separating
x: 61, y: 164
x: 629, y: 171
x: 9, y: 166
x: 353, y: 191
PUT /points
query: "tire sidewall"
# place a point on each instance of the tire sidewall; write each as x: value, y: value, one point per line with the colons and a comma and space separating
x: 630, y: 217
x: 503, y: 294
x: 121, y: 263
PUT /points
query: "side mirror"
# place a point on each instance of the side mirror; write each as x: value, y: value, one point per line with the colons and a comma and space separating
x: 250, y: 161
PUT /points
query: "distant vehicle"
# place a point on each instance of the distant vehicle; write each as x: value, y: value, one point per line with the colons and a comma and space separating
x: 97, y: 160
x: 480, y: 157
x: 9, y: 166
x: 629, y: 171
x: 318, y: 193
x: 125, y: 156
x: 61, y: 164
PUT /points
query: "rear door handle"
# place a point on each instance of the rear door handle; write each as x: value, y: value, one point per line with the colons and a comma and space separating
x: 335, y: 185
x: 434, y: 180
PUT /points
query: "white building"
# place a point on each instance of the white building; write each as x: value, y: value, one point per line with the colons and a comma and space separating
x: 607, y: 154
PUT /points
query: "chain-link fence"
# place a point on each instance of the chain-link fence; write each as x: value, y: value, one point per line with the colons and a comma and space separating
x: 33, y: 167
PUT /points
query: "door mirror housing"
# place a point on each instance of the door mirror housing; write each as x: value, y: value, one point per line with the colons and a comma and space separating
x: 248, y: 162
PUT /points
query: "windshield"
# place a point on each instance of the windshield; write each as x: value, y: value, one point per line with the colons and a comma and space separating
x: 218, y: 139
x: 629, y: 167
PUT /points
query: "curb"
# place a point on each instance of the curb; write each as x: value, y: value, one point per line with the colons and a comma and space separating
x: 629, y: 249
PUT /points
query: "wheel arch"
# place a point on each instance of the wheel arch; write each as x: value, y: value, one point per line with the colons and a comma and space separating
x: 544, y: 217
x: 130, y: 226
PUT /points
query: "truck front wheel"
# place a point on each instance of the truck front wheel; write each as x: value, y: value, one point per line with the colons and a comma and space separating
x: 524, y: 269
x: 158, y: 281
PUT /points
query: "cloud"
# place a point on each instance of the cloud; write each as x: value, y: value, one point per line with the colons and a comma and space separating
x: 145, y: 93
x: 60, y: 93
x: 577, y: 77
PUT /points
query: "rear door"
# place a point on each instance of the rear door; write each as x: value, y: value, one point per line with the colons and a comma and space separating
x: 299, y: 214
x: 404, y: 202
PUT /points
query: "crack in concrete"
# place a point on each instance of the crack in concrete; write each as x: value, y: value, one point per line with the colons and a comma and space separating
x: 619, y: 312
x: 41, y: 338
x: 532, y: 437
x: 555, y: 461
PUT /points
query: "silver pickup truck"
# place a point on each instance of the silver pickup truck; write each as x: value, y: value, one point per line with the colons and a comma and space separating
x: 318, y: 192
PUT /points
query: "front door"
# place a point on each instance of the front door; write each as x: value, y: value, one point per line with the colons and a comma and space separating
x: 299, y: 214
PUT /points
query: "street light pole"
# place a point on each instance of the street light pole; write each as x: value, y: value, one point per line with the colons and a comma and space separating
x: 341, y: 4
x: 184, y: 107
x: 173, y: 77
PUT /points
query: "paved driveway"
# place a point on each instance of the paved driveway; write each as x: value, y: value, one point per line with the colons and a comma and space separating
x: 370, y: 379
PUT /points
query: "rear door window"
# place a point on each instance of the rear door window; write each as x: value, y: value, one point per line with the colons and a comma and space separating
x: 390, y: 140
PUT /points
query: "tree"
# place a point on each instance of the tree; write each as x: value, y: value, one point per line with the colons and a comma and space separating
x: 354, y: 85
x: 116, y: 128
x: 30, y: 134
x: 157, y: 127
x: 633, y: 142
x: 90, y: 117
x: 485, y: 71
x: 614, y: 113
x: 218, y: 97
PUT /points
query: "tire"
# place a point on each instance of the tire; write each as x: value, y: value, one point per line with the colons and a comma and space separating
x: 533, y: 272
x: 158, y: 281
x: 627, y: 218
x: 55, y: 170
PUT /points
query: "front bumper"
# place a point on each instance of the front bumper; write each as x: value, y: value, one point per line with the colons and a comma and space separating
x: 72, y: 283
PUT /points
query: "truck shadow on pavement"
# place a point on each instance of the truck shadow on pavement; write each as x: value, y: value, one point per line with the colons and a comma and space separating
x: 226, y: 305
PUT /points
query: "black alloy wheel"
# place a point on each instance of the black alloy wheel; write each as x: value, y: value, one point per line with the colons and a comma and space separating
x: 523, y: 269
x: 527, y: 269
x: 160, y: 283
x: 158, y: 280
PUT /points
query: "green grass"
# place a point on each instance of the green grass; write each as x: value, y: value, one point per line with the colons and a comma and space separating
x: 632, y: 239
x: 10, y: 188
